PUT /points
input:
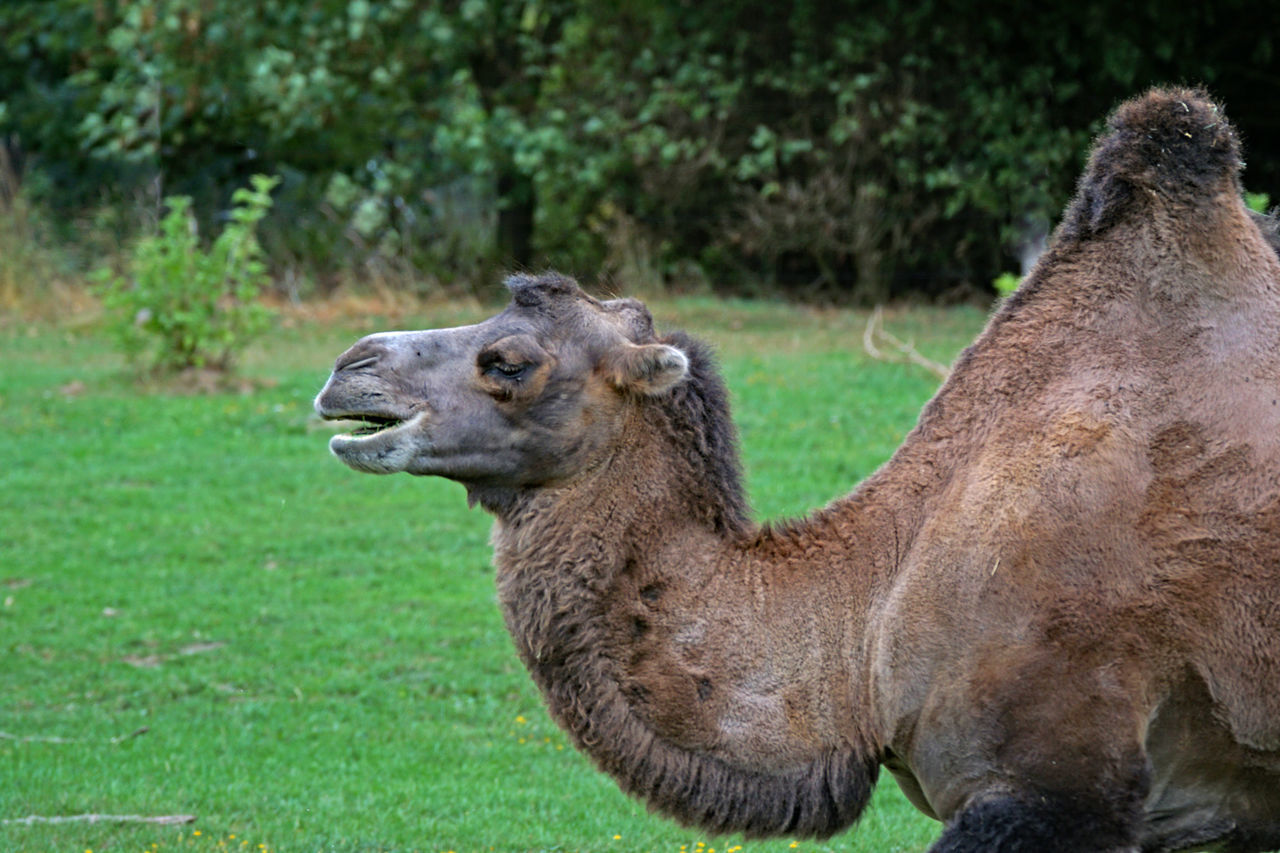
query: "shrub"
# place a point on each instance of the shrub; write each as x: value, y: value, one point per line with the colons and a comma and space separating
x: 1006, y: 283
x: 34, y: 275
x: 180, y: 306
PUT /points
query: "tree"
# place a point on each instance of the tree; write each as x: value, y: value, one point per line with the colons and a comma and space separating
x: 509, y: 49
x: 852, y: 151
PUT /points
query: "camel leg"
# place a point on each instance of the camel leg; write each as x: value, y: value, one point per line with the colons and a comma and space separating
x: 1039, y: 824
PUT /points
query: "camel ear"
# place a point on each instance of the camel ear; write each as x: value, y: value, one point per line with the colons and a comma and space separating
x: 646, y: 368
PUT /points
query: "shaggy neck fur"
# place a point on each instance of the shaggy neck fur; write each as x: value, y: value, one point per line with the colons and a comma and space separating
x: 643, y: 604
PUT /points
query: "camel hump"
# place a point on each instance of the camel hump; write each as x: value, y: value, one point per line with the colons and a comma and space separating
x: 1170, y: 147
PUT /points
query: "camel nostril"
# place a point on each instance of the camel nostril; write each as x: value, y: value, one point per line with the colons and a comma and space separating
x: 357, y: 364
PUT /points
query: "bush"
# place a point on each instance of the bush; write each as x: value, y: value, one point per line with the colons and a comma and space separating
x: 35, y: 278
x: 180, y: 306
x: 1006, y: 283
x: 848, y: 151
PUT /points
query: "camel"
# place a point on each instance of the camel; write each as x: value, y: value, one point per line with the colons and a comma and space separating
x: 1053, y: 614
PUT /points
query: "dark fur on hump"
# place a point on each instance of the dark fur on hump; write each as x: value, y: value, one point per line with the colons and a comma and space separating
x: 1172, y: 143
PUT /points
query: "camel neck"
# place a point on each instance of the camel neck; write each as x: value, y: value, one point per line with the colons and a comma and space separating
x: 683, y: 648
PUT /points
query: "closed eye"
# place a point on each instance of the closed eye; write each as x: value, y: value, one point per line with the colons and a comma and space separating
x: 508, y: 362
x: 507, y: 370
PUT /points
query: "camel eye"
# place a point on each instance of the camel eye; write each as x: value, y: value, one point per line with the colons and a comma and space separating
x: 510, y: 371
x: 499, y: 367
x: 510, y: 361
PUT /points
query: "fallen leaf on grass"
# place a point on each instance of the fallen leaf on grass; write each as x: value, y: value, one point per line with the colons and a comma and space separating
x: 55, y: 739
x: 143, y: 661
x: 163, y: 820
x: 200, y: 648
x: 153, y: 661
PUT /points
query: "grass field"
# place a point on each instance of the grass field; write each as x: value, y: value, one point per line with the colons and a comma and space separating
x: 202, y: 613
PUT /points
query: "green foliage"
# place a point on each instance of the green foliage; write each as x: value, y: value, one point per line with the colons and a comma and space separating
x: 215, y: 649
x: 1257, y: 202
x: 181, y: 306
x: 1006, y: 283
x: 846, y: 151
x: 29, y: 269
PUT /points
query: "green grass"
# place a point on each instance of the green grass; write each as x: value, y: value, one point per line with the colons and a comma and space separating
x: 219, y: 619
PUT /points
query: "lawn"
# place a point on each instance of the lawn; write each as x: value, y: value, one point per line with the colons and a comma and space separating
x: 202, y: 613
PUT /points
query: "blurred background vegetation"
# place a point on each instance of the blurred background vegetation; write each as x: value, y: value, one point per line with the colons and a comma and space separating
x: 829, y: 151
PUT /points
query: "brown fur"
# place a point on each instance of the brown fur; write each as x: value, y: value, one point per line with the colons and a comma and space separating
x: 1052, y: 615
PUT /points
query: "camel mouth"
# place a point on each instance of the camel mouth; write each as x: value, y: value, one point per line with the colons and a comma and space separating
x: 372, y: 425
x: 367, y: 425
x: 378, y: 443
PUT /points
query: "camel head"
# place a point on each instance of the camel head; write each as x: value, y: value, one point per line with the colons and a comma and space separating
x: 530, y: 397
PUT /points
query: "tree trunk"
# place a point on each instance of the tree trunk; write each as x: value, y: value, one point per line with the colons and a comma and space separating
x: 514, y: 238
